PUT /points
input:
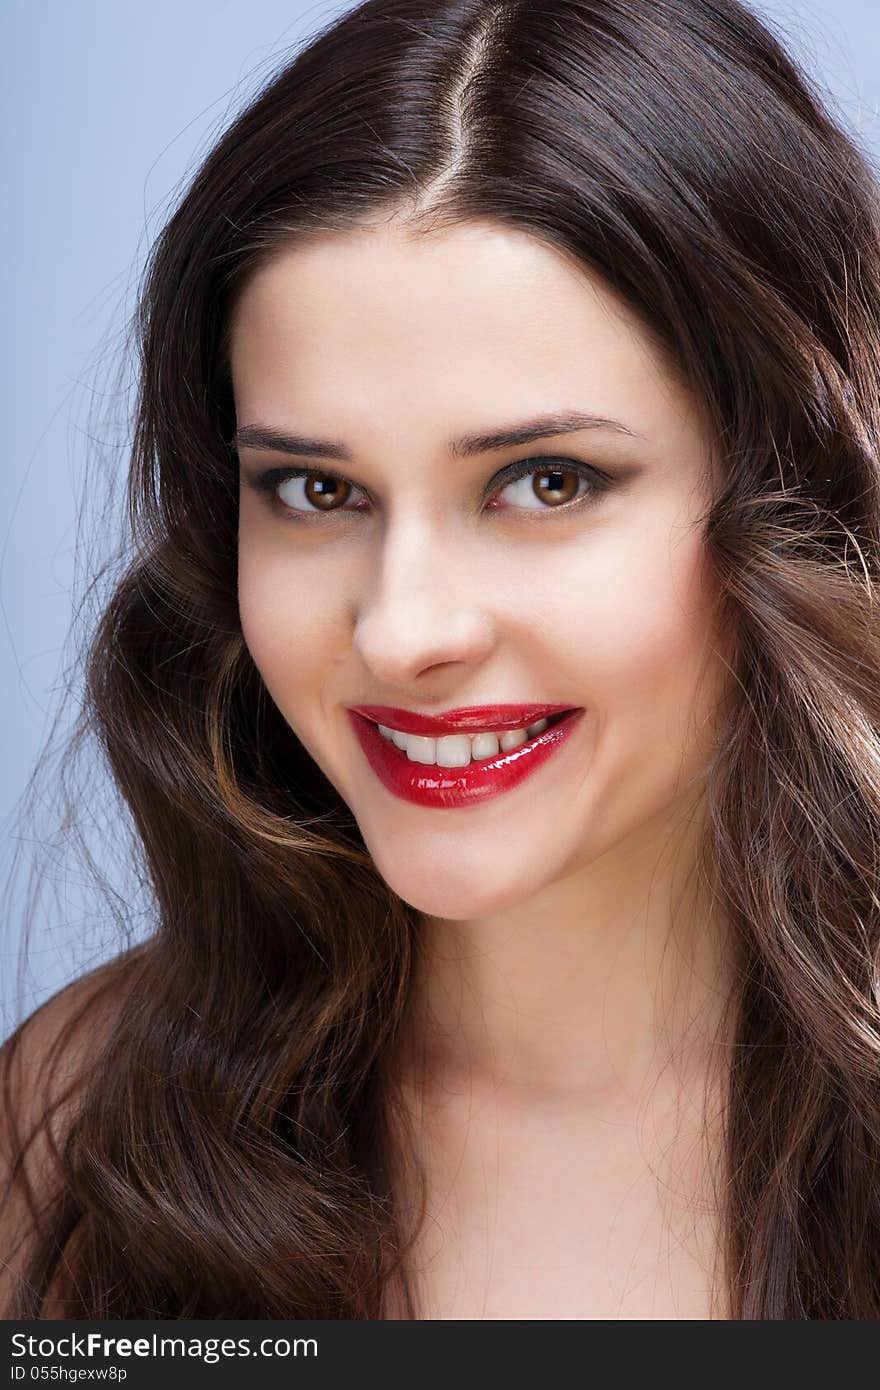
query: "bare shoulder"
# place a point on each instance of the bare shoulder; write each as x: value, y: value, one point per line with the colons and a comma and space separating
x: 44, y: 1067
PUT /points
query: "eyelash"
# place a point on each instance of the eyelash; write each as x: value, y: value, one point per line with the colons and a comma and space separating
x: 268, y: 482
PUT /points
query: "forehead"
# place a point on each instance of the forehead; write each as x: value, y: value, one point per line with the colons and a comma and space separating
x: 446, y: 330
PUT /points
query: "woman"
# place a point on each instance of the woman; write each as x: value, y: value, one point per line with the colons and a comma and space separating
x: 494, y: 689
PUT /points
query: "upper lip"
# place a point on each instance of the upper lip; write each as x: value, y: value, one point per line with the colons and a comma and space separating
x: 469, y: 719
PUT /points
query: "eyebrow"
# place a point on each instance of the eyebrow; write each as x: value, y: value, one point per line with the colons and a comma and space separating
x: 467, y: 446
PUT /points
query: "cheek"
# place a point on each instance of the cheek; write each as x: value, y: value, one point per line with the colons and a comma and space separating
x: 670, y: 680
x: 653, y: 622
x: 638, y: 638
x: 289, y: 627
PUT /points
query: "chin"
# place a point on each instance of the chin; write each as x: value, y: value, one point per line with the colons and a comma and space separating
x: 454, y: 897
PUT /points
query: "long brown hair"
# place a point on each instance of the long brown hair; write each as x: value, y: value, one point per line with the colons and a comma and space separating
x: 230, y: 1153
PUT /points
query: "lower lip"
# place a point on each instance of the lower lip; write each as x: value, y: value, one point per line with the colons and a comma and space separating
x: 428, y: 785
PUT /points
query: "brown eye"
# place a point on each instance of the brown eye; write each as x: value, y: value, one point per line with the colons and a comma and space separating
x: 325, y: 492
x: 555, y: 485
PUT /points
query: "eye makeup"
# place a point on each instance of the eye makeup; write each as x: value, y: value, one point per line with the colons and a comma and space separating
x: 597, y: 482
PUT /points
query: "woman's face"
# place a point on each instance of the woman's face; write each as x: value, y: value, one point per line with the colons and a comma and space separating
x: 427, y: 579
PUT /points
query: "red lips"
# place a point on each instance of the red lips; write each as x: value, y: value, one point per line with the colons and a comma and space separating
x: 467, y: 720
x: 431, y: 785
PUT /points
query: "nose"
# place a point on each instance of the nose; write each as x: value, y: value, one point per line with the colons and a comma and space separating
x: 423, y: 607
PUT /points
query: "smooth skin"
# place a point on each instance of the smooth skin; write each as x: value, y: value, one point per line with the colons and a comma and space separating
x: 568, y: 1018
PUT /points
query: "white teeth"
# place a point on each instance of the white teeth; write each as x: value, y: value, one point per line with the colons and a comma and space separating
x: 513, y: 738
x: 421, y: 750
x: 484, y: 746
x: 453, y: 750
x: 457, y: 750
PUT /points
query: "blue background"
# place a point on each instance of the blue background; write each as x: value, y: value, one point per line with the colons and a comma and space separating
x: 108, y: 106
